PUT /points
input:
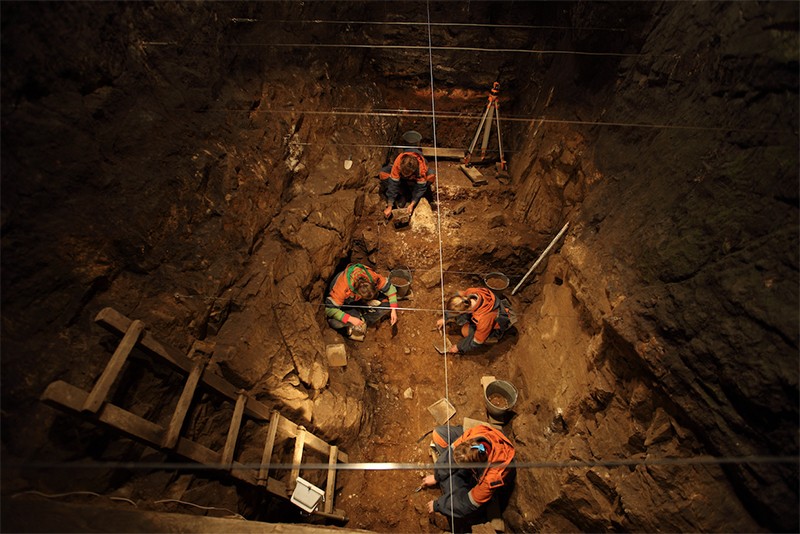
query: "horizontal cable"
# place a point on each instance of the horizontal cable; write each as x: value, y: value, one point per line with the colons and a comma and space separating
x: 542, y: 120
x: 442, y: 24
x: 451, y: 49
x: 415, y: 47
x: 71, y: 494
x: 409, y: 466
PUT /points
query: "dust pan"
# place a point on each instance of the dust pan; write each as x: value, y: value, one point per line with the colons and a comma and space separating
x: 442, y: 411
x: 441, y: 349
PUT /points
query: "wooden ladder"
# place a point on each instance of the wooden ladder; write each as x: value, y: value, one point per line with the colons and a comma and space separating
x: 94, y: 406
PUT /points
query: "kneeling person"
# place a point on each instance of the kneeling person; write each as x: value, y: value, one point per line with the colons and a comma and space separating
x: 466, y: 489
x: 406, y: 181
x: 358, y: 297
x: 483, y: 315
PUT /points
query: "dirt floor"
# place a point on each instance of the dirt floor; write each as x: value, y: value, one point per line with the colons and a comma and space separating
x: 407, y: 374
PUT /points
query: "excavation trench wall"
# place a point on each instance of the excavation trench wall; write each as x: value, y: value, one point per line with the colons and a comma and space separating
x: 685, y: 329
x: 164, y: 159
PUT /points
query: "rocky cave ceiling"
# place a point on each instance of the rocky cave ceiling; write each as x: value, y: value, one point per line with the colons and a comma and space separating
x: 182, y: 163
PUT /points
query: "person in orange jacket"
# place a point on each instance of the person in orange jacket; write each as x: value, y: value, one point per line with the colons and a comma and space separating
x: 358, y: 296
x: 467, y: 489
x: 408, y: 176
x: 484, y: 317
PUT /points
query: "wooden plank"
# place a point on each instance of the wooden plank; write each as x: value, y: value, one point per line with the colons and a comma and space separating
x: 288, y: 428
x: 337, y: 515
x: 114, y: 321
x: 298, y: 456
x: 269, y: 444
x: 68, y: 396
x: 175, y: 425
x: 64, y: 395
x: 233, y: 430
x: 474, y: 175
x: 103, y: 385
x: 444, y: 153
x: 330, y: 487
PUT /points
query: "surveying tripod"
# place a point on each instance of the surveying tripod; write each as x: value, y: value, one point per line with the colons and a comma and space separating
x: 492, y: 108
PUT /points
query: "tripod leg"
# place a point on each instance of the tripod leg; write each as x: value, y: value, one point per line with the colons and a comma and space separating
x: 487, y: 131
x: 478, y: 133
x: 499, y: 137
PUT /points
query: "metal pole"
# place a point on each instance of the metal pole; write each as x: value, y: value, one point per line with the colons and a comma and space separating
x: 478, y: 133
x: 487, y: 131
x: 499, y: 139
x: 553, y: 242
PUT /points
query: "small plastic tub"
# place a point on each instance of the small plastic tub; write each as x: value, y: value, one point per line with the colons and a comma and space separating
x: 412, y: 137
x: 496, y: 281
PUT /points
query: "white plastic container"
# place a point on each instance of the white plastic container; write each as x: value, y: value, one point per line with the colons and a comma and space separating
x: 306, y: 495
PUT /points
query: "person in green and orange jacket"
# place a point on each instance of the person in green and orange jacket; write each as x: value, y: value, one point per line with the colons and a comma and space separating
x: 408, y: 176
x: 358, y: 296
x: 467, y: 488
x: 484, y: 317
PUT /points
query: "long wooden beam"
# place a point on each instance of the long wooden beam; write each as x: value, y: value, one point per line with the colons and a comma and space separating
x: 64, y: 395
x: 114, y: 321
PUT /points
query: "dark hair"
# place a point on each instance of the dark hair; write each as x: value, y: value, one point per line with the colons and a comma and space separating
x: 409, y: 166
x: 470, y: 451
x: 365, y: 288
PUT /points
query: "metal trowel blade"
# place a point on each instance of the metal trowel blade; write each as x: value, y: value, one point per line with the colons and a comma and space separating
x: 348, y: 163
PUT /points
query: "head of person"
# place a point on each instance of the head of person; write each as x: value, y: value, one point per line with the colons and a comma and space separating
x: 365, y: 288
x: 459, y: 304
x: 471, y: 451
x: 409, y: 166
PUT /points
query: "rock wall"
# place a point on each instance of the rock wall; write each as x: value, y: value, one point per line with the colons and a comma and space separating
x: 682, y: 263
x: 152, y: 166
x: 162, y: 159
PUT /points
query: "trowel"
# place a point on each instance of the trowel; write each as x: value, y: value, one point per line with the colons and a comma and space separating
x: 348, y: 162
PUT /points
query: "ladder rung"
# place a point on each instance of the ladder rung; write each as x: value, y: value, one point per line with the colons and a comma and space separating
x: 331, y: 486
x: 298, y: 456
x: 311, y: 441
x: 233, y: 431
x: 113, y: 320
x: 175, y: 425
x: 103, y: 385
x: 269, y: 444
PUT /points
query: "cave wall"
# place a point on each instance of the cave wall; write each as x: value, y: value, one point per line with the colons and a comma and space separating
x: 682, y: 261
x: 231, y: 232
x: 152, y: 163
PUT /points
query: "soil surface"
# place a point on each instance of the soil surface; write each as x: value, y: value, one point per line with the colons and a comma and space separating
x: 403, y: 361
